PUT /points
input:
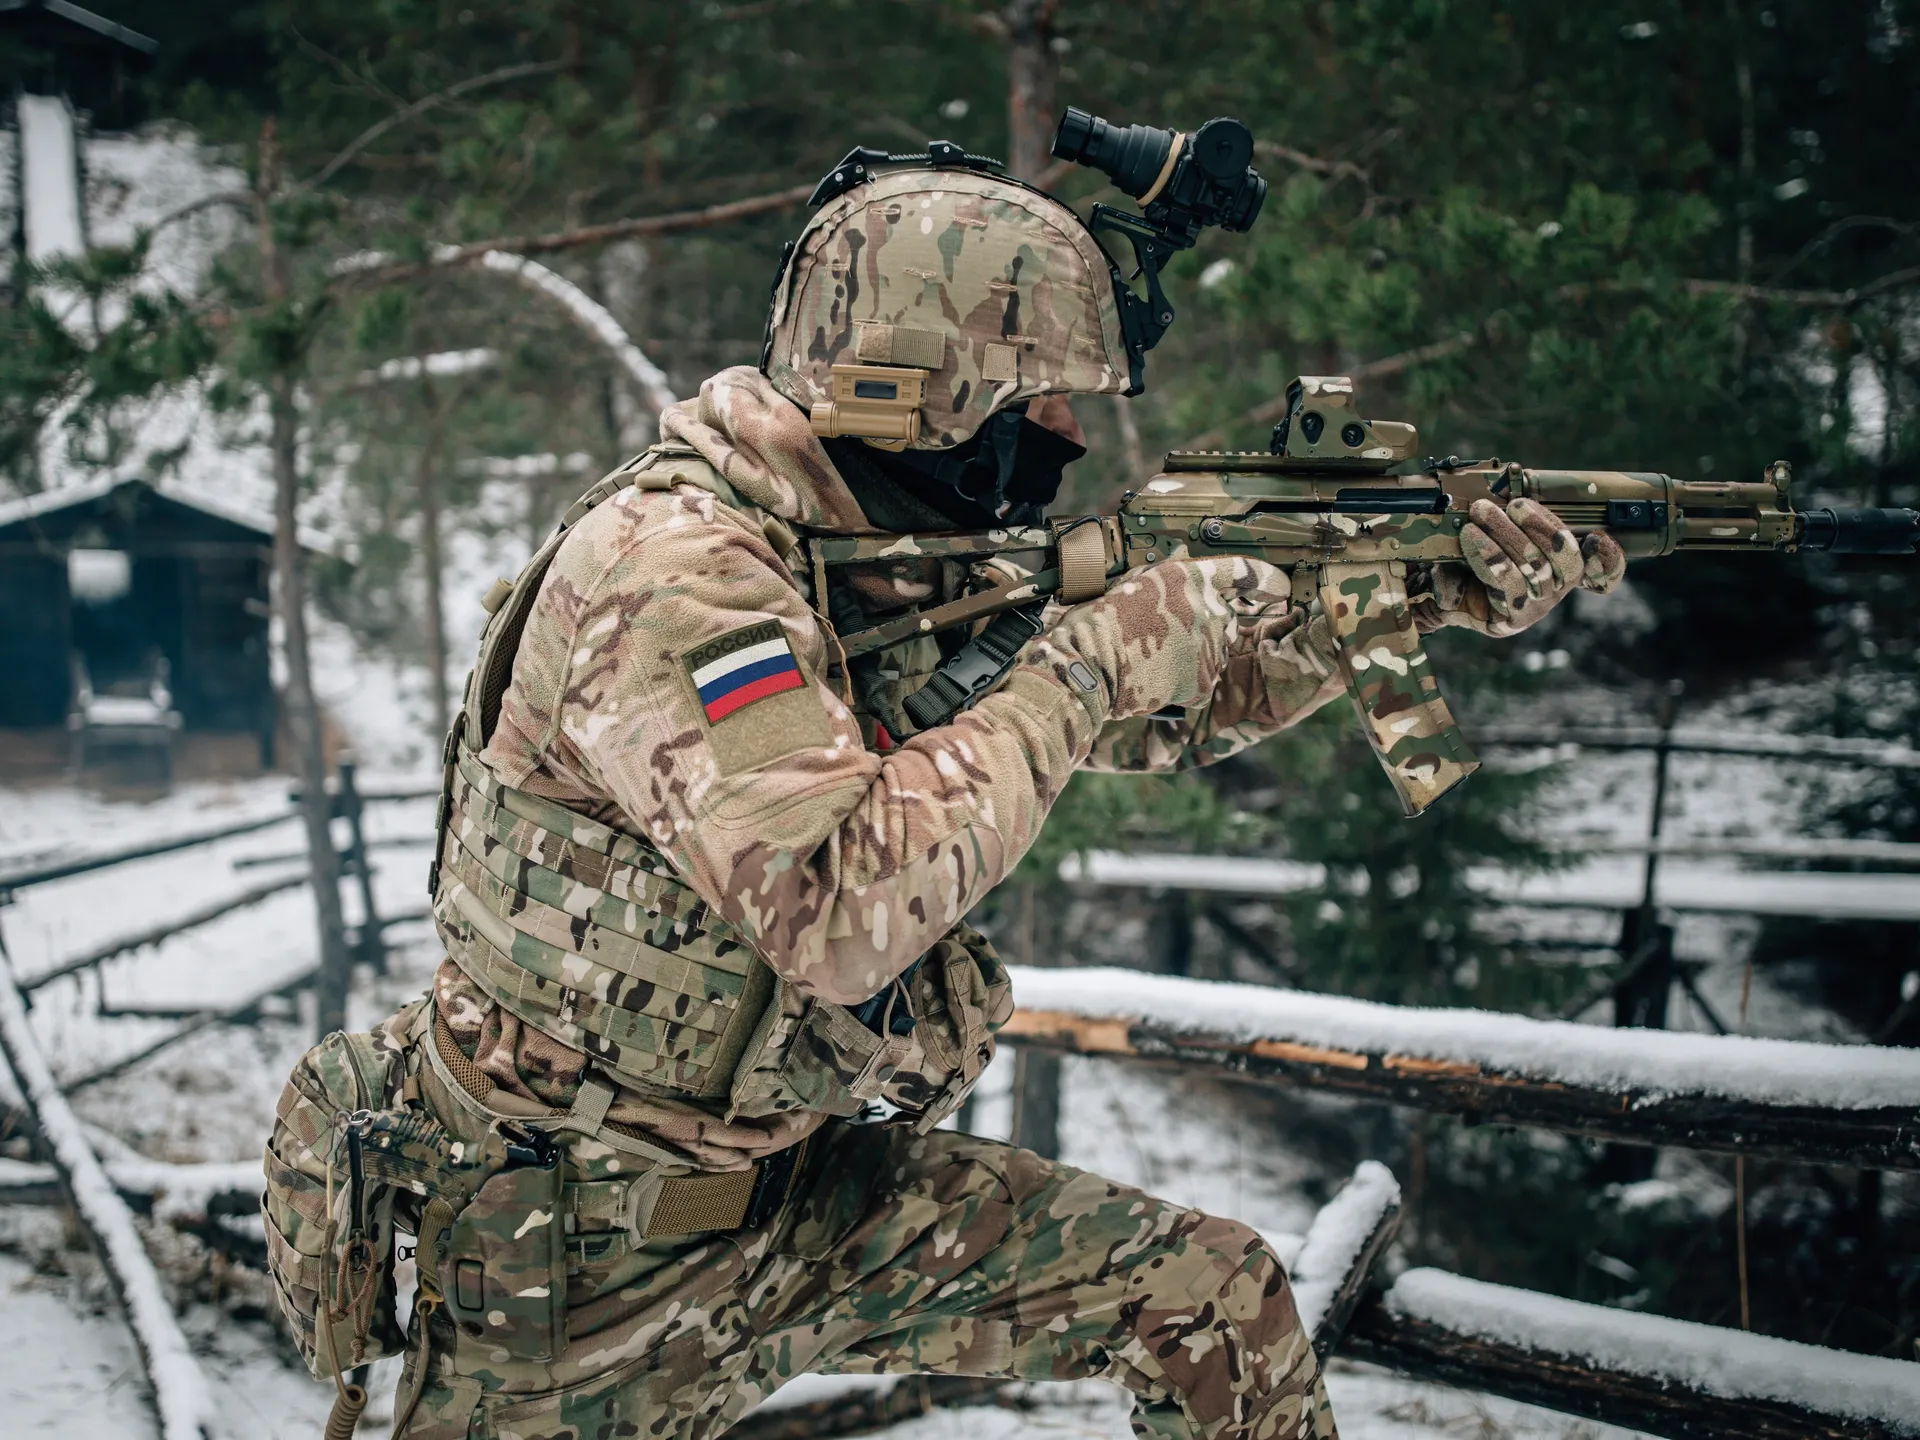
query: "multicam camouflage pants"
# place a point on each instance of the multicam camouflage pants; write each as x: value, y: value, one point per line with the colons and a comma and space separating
x: 944, y: 1254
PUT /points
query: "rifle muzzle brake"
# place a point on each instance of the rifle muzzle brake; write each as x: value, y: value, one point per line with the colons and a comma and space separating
x: 1860, y: 532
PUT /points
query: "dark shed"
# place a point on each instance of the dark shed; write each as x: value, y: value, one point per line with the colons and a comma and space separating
x: 117, y: 581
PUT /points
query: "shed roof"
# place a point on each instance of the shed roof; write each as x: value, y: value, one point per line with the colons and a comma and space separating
x: 66, y: 497
x: 60, y: 22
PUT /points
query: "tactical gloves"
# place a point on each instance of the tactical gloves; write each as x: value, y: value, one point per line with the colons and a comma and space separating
x: 1160, y: 636
x: 1519, y: 563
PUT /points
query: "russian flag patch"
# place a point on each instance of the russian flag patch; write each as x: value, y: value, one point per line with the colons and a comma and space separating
x: 739, y: 668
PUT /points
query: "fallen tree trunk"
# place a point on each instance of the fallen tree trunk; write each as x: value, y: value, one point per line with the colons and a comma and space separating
x: 1772, y: 1099
x: 179, y: 1389
x: 1667, y: 1377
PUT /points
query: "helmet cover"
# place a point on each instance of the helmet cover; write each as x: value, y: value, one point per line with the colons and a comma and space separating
x: 995, y: 292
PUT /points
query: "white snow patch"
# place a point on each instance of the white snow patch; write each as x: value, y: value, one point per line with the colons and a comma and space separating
x: 50, y: 162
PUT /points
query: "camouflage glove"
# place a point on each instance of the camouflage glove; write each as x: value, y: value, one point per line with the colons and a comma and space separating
x: 1519, y: 563
x: 1160, y: 636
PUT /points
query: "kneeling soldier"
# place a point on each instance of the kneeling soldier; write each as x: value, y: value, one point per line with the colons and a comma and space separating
x: 701, y: 883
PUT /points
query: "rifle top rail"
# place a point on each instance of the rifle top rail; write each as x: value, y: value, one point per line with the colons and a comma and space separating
x: 1876, y: 754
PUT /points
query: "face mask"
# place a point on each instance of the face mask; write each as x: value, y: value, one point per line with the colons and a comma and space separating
x: 1009, y: 470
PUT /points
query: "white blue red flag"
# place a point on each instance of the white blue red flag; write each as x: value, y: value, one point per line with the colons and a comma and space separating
x: 739, y: 668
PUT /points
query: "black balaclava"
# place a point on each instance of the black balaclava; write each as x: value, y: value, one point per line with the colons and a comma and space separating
x: 1006, y: 473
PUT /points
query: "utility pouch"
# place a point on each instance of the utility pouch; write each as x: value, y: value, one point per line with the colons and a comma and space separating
x: 919, y: 1045
x: 332, y: 1264
x: 504, y: 1266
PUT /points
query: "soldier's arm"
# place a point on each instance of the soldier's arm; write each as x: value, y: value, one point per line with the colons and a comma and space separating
x: 1280, y: 670
x: 691, y: 670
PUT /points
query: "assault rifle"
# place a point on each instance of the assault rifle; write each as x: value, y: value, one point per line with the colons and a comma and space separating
x: 1322, y: 505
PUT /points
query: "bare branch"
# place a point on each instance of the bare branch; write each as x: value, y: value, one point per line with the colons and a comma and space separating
x: 419, y: 107
x: 454, y: 256
x: 1334, y: 168
x: 1809, y: 299
x: 239, y: 199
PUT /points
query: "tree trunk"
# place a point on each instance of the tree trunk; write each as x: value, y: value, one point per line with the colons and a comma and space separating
x: 290, y: 594
x: 1032, y: 69
x: 303, y: 717
x: 433, y: 577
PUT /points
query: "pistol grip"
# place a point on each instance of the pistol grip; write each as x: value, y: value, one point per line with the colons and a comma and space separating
x: 1402, y: 711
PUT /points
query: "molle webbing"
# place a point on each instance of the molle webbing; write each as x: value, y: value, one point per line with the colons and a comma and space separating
x: 571, y: 926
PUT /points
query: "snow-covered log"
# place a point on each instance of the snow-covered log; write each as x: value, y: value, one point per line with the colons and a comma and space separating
x: 1779, y: 1099
x: 179, y: 1389
x: 1347, y: 1237
x: 1666, y: 1377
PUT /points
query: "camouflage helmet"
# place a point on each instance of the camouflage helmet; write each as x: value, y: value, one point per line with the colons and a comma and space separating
x: 921, y: 302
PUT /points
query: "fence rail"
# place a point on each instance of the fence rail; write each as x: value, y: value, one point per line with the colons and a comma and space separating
x: 1693, y: 888
x: 1682, y: 741
x: 1775, y: 1099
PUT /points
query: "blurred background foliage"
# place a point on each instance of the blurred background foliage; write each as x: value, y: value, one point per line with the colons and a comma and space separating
x: 1673, y: 235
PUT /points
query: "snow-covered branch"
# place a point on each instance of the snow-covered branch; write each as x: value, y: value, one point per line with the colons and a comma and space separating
x: 179, y: 1389
x: 1347, y: 1237
x: 1831, y: 1104
x: 592, y: 316
x: 582, y: 308
x: 442, y: 364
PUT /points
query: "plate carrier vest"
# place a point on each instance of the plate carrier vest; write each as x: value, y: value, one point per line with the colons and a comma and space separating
x: 585, y: 932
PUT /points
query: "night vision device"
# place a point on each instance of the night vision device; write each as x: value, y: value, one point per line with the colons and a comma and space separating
x: 1184, y: 183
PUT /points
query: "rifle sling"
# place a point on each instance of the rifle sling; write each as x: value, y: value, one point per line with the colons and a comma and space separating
x: 963, y: 611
